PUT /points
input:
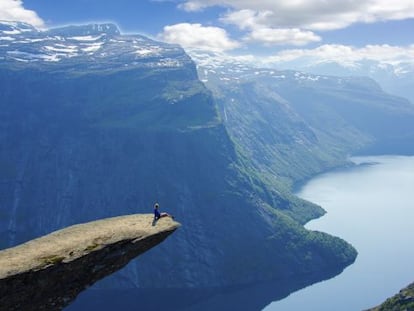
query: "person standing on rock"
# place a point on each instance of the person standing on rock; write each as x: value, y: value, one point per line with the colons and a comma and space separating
x: 157, y: 214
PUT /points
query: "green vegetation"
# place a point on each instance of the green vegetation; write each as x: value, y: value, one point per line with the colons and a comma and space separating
x: 105, y: 144
x: 403, y: 301
x: 291, y: 129
x: 51, y: 260
x: 92, y: 247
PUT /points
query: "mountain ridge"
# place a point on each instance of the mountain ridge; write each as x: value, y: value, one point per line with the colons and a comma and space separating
x: 395, y: 78
x: 294, y: 117
x: 98, y: 47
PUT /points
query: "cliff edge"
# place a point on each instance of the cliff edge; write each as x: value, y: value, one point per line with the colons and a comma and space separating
x: 49, y: 272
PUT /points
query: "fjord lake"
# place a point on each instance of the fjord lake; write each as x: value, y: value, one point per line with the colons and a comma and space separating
x: 370, y: 205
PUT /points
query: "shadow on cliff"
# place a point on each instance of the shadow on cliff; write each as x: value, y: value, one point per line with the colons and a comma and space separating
x: 252, y: 297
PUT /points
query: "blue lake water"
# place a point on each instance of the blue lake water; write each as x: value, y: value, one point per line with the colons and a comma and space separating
x: 372, y: 207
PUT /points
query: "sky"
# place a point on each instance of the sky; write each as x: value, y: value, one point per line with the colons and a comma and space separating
x: 272, y: 31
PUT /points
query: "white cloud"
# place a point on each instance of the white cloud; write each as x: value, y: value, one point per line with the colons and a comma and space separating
x: 312, y: 14
x: 13, y: 10
x: 272, y: 36
x: 255, y: 24
x: 192, y: 6
x: 293, y: 22
x: 247, y: 19
x: 196, y: 36
x: 346, y: 56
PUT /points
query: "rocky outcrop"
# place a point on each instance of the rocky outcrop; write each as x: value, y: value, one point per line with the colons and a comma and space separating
x: 49, y: 272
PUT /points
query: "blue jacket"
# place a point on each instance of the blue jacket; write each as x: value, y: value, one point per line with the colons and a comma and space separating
x: 157, y: 214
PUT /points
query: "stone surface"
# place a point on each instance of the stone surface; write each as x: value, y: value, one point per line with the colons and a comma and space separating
x: 49, y: 272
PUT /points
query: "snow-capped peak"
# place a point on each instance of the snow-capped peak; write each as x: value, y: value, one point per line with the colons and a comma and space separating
x: 95, y: 45
x: 228, y: 69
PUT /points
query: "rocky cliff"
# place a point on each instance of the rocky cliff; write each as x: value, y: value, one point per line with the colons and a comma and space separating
x: 49, y: 272
x: 95, y: 124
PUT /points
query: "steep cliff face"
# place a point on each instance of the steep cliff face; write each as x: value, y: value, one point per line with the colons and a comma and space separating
x: 293, y: 124
x: 49, y: 272
x: 94, y: 124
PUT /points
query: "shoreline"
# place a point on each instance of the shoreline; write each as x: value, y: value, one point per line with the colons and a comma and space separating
x: 372, y: 242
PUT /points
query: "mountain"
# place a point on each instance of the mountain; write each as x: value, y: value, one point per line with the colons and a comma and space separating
x: 49, y: 272
x: 396, y: 79
x: 79, y: 48
x: 292, y: 124
x: 95, y: 124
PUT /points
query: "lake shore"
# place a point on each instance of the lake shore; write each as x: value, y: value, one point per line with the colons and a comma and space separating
x: 368, y: 206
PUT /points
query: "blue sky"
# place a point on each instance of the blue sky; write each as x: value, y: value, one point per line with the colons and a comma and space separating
x: 269, y: 29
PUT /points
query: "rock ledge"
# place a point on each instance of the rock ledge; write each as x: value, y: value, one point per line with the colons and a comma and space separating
x: 49, y: 272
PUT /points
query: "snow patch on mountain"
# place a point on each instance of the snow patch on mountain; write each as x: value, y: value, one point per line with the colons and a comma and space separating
x: 86, y: 38
x: 98, y: 46
x: 397, y: 79
x: 231, y: 69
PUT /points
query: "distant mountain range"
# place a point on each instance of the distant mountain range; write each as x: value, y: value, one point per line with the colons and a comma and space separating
x: 294, y: 124
x: 96, y: 124
x: 395, y: 79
